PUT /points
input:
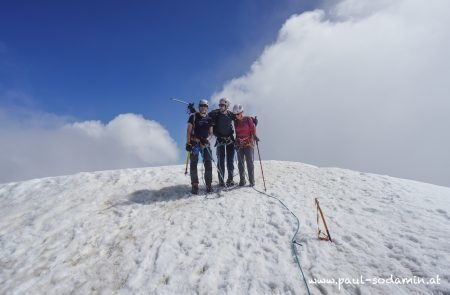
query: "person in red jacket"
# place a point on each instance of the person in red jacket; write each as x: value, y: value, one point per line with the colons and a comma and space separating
x: 245, y: 137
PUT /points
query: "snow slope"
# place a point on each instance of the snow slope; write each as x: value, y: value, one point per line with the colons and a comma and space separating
x: 137, y: 231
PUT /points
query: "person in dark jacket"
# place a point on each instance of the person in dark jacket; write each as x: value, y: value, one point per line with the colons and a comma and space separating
x: 198, y: 135
x: 245, y: 138
x: 223, y: 131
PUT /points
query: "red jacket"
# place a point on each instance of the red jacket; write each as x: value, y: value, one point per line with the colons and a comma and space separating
x: 245, y: 129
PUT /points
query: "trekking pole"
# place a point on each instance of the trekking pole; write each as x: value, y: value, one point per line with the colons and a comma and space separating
x: 187, y: 162
x: 260, y: 163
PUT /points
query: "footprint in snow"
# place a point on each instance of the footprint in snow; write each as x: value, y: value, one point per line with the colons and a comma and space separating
x: 443, y: 213
x: 371, y: 210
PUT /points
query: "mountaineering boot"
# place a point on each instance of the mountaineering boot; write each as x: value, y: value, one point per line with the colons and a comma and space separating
x: 251, y: 179
x: 230, y: 182
x: 194, y: 189
x: 242, y: 182
x: 209, y: 189
x: 221, y: 183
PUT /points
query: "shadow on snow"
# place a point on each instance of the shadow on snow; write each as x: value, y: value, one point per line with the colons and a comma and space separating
x: 170, y: 193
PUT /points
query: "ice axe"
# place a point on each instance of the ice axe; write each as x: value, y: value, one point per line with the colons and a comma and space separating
x: 190, y: 105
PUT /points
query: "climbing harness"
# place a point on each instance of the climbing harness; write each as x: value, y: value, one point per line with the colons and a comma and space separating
x: 224, y: 141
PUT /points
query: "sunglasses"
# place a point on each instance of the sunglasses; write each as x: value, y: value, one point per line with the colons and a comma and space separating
x: 203, y: 105
x: 222, y: 105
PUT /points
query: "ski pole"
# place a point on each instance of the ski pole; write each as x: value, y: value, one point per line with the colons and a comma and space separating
x: 260, y: 163
x: 187, y: 162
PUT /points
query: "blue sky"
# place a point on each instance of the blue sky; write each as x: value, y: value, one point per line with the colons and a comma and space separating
x: 93, y: 60
x: 357, y: 83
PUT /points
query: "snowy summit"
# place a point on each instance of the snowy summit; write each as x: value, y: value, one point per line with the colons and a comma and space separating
x: 139, y: 231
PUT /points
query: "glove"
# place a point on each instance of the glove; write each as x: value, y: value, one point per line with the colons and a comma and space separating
x: 188, y: 147
x: 256, y: 138
x: 255, y: 120
x: 204, y: 141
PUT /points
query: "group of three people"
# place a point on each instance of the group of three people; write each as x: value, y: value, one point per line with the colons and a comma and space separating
x: 200, y: 129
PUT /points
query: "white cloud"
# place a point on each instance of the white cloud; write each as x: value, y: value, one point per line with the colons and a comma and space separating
x: 361, y: 84
x: 36, y: 144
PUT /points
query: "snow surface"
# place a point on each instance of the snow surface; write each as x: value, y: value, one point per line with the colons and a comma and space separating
x: 138, y: 231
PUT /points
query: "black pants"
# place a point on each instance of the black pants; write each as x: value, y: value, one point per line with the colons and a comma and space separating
x: 207, y: 160
x: 246, y: 154
x: 229, y: 150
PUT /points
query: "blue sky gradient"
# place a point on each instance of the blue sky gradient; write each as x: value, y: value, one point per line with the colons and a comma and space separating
x: 93, y: 60
x: 364, y: 84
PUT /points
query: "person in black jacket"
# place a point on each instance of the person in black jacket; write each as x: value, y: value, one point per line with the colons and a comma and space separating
x: 223, y: 130
x: 198, y: 135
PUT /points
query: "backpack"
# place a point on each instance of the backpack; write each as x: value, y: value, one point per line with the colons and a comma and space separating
x: 254, y: 119
x: 247, y: 118
x: 196, y: 114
